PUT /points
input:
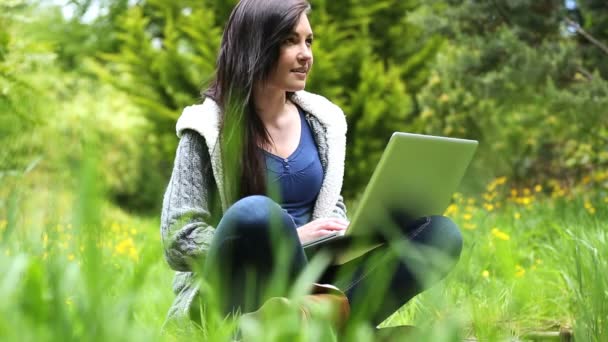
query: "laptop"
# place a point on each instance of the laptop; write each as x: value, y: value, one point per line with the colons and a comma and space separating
x: 415, y: 177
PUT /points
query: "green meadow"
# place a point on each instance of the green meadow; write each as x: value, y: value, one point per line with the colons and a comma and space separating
x: 78, y: 268
x: 90, y: 92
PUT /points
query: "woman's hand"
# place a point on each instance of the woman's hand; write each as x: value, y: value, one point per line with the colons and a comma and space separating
x: 321, y: 227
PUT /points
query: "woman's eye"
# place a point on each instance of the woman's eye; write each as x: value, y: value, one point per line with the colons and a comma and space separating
x: 290, y: 41
x: 309, y: 41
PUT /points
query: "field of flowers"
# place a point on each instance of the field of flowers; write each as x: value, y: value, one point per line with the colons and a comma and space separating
x: 76, y: 268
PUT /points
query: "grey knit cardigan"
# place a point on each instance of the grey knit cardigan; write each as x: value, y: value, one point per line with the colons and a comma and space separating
x: 191, y: 205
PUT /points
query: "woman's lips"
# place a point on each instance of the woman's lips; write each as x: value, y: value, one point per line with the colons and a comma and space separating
x: 300, y: 73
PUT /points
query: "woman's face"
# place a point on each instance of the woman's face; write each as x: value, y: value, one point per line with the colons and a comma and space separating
x: 295, y: 59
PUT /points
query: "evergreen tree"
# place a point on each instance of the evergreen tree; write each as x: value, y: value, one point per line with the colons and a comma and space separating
x: 512, y: 75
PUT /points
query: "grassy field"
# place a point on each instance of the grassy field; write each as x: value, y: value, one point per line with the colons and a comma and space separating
x: 76, y: 268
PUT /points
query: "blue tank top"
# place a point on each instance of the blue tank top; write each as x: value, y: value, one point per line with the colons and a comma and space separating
x: 296, y: 179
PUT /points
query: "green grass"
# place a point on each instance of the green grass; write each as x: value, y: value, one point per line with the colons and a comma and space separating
x: 76, y: 268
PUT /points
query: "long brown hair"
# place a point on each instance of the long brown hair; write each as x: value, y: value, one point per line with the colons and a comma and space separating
x: 249, y: 52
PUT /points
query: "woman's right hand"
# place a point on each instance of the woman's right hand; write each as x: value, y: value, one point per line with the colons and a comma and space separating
x: 321, y: 227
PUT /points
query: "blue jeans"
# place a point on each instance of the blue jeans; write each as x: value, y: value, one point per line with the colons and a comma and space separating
x: 256, y: 254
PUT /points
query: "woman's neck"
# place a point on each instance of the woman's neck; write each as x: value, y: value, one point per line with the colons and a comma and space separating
x: 271, y: 105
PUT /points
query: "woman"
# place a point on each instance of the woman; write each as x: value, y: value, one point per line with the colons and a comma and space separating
x: 259, y: 171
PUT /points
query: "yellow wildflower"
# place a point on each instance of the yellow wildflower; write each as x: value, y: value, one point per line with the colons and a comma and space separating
x: 501, y: 180
x: 467, y: 217
x: 485, y: 274
x: 538, y: 188
x: 124, y: 246
x: 452, y: 209
x: 589, y: 207
x: 519, y: 271
x: 71, y: 257
x: 488, y: 206
x: 469, y: 226
x: 3, y: 224
x: 444, y: 98
x: 500, y: 234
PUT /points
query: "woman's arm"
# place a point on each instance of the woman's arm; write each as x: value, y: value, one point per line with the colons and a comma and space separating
x: 185, y: 230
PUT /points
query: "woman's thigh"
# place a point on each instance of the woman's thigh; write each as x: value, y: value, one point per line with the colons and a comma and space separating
x: 255, y: 245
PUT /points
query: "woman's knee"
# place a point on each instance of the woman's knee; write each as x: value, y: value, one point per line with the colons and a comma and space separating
x: 447, y: 236
x: 254, y: 215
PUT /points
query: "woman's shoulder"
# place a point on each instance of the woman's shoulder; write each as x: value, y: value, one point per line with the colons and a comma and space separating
x: 201, y: 118
x: 323, y: 109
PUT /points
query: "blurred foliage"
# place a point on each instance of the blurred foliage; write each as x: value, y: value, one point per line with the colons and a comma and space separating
x: 513, y: 74
x: 516, y: 80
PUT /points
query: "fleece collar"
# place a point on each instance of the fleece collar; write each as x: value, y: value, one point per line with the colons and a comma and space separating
x: 205, y: 118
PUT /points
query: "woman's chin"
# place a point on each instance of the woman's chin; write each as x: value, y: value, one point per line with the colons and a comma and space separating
x: 296, y: 87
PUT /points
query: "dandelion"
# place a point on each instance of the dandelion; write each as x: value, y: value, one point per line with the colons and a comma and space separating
x: 517, y: 216
x: 519, y: 271
x: 127, y: 247
x: 501, y: 180
x: 452, y: 209
x: 589, y: 207
x: 124, y: 246
x: 469, y: 226
x: 488, y: 206
x: 71, y: 257
x: 489, y: 196
x: 497, y: 233
x: 538, y: 188
x: 444, y: 98
x: 485, y: 274
x: 467, y: 217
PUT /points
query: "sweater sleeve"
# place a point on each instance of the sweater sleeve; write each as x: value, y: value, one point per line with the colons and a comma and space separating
x: 185, y: 230
x: 340, y: 209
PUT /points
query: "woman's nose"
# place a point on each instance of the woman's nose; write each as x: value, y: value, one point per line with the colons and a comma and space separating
x: 305, y: 54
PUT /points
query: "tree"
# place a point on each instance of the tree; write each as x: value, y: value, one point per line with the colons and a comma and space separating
x: 513, y: 76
